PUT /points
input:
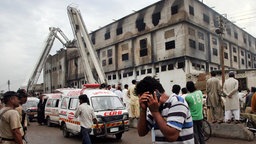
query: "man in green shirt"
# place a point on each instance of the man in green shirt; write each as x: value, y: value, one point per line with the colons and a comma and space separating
x: 195, y: 103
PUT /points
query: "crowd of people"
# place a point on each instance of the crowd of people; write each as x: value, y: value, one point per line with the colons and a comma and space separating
x: 170, y: 118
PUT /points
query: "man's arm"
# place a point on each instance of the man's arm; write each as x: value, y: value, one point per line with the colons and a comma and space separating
x: 142, y: 123
x: 17, y: 136
x: 234, y: 90
x: 170, y: 133
x: 253, y: 103
x: 77, y: 113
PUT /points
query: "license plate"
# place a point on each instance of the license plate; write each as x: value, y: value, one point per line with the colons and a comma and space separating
x: 115, y: 129
x: 35, y: 115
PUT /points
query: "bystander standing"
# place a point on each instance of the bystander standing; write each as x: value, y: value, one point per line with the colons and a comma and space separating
x: 214, y: 101
x: 134, y: 101
x: 11, y: 131
x: 86, y: 116
x: 195, y: 103
x: 232, y: 107
x: 169, y: 117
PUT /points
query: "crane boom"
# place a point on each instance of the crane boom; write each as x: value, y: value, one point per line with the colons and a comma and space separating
x: 46, y: 50
x: 85, y: 46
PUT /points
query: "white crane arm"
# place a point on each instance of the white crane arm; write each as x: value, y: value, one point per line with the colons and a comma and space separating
x: 85, y: 46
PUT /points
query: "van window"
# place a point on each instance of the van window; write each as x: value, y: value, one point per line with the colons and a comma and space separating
x: 73, y: 104
x: 55, y: 103
x: 49, y: 103
x: 106, y: 103
x: 64, y: 103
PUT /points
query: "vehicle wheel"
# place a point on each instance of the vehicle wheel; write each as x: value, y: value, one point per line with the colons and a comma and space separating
x: 65, y: 132
x: 207, y: 130
x: 119, y: 136
x: 30, y: 119
x: 48, y: 122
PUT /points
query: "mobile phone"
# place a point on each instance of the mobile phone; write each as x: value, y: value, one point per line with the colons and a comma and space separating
x: 158, y: 94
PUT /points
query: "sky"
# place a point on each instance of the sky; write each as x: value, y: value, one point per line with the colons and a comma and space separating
x: 24, y: 26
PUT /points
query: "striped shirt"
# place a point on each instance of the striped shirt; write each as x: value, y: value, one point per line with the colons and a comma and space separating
x: 177, y: 115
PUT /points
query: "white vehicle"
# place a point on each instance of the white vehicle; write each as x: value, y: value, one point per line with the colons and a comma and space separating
x: 52, y: 108
x: 111, y: 114
x: 31, y: 108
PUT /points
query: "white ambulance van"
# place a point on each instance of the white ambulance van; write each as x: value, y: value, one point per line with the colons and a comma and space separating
x: 111, y: 114
x: 52, y: 108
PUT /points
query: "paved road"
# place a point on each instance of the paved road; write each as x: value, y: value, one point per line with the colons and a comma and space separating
x: 53, y: 135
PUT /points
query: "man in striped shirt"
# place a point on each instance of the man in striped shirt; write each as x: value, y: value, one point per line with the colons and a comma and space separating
x: 169, y: 115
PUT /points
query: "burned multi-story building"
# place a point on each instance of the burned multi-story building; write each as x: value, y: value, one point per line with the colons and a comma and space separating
x: 169, y: 40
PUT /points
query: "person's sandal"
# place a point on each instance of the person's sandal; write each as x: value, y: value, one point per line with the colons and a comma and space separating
x: 228, y: 121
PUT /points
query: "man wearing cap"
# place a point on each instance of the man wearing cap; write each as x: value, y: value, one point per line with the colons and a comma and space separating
x: 11, y: 131
x: 230, y: 89
x: 23, y: 96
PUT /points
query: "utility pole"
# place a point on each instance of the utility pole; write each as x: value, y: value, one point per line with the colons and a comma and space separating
x: 9, y: 83
x: 220, y: 32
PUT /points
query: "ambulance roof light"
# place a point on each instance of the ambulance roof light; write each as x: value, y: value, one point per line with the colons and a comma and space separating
x: 91, y: 85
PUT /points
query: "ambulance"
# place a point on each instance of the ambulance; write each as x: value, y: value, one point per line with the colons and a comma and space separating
x: 111, y: 114
x: 51, y: 111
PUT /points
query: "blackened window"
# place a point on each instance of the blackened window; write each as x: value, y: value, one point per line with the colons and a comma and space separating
x: 228, y: 30
x: 125, y: 57
x: 249, y: 64
x: 93, y: 40
x: 206, y: 18
x: 225, y: 55
x: 245, y: 41
x: 114, y: 76
x: 192, y: 43
x: 156, y: 18
x: 104, y: 62
x: 109, y: 77
x: 124, y: 75
x: 107, y: 35
x: 215, y: 51
x: 170, y: 67
x: 235, y: 35
x: 234, y: 49
x: 143, y: 47
x: 157, y: 70
x: 250, y: 43
x: 242, y: 53
x: 249, y: 56
x: 109, y: 52
x: 201, y: 46
x: 140, y: 25
x: 181, y: 65
x: 170, y: 45
x: 142, y: 72
x: 119, y: 31
x: 242, y: 61
x: 191, y: 10
x: 110, y: 61
x: 149, y: 70
x: 175, y: 9
x: 163, y: 68
x: 137, y: 73
x: 130, y: 73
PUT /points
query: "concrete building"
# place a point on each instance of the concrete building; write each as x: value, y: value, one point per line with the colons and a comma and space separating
x: 170, y: 40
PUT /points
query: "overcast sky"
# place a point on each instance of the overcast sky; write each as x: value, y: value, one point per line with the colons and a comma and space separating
x: 24, y: 27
